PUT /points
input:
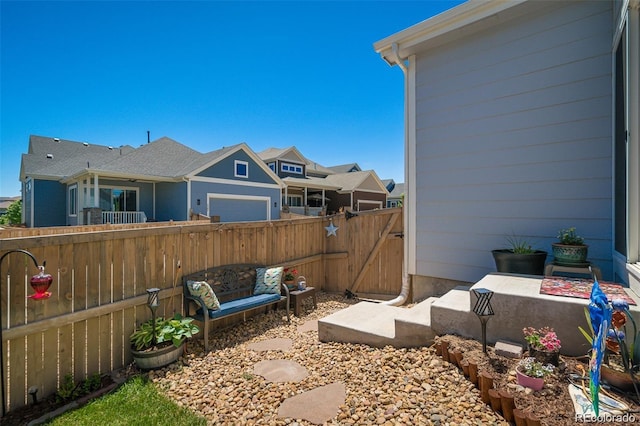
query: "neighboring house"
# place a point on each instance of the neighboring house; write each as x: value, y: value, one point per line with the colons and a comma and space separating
x: 5, y: 202
x: 161, y: 180
x: 396, y: 193
x: 521, y: 119
x: 345, y: 168
x: 312, y: 188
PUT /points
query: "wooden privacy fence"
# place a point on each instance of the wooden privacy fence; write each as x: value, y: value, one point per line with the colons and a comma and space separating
x: 101, y: 273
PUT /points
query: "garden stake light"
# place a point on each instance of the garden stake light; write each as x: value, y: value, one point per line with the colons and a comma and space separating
x: 152, y: 302
x: 483, y: 310
x: 40, y: 283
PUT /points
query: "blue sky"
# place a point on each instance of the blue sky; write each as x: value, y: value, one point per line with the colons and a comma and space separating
x: 207, y: 74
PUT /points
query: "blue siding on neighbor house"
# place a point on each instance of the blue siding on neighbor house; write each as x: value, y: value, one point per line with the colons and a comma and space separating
x: 513, y: 137
x: 171, y: 201
x: 225, y: 169
x: 50, y: 205
x: 200, y: 191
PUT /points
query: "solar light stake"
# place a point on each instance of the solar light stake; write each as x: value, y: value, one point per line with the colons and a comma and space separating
x: 152, y: 302
x: 483, y: 310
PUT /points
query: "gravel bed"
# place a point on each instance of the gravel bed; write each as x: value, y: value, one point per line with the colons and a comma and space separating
x: 384, y: 386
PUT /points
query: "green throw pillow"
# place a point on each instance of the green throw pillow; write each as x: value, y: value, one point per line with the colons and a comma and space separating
x: 271, y: 282
x: 203, y: 290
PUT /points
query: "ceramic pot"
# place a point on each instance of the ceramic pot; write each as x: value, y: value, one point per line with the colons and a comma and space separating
x: 534, y: 383
x: 564, y: 254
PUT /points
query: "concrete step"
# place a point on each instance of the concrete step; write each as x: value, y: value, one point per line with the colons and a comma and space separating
x: 516, y: 301
x: 413, y: 325
x: 379, y: 325
x: 367, y: 323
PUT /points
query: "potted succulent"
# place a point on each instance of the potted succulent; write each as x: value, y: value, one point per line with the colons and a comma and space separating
x: 570, y: 250
x: 160, y: 341
x: 531, y: 373
x: 519, y: 258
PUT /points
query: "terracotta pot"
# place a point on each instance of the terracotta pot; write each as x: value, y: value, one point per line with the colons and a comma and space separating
x: 618, y: 379
x: 534, y: 383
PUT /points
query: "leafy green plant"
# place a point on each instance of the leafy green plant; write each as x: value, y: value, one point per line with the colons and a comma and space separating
x: 68, y: 389
x: 93, y: 383
x: 569, y: 237
x: 13, y: 215
x: 173, y: 330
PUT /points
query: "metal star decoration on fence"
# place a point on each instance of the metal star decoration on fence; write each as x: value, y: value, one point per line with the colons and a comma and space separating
x: 331, y: 229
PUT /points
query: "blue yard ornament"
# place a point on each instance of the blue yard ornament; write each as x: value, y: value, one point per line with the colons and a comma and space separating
x: 600, y: 312
x: 331, y: 229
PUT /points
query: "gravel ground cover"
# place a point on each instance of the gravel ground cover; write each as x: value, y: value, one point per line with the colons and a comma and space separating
x: 383, y: 385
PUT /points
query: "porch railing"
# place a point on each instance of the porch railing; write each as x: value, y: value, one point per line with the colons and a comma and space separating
x: 123, y: 217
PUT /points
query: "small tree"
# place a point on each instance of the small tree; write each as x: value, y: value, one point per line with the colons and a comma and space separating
x: 13, y: 216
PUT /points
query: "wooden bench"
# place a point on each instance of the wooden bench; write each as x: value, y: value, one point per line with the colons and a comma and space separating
x: 233, y: 286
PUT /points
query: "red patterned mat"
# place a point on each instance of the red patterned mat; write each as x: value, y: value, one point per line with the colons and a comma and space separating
x: 581, y: 288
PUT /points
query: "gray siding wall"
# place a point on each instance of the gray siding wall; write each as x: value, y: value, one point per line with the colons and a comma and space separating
x: 514, y: 138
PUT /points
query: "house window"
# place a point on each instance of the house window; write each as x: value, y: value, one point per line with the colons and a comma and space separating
x: 118, y: 200
x: 294, y: 201
x: 73, y: 200
x: 392, y: 204
x: 241, y: 169
x: 291, y: 168
x: 272, y: 166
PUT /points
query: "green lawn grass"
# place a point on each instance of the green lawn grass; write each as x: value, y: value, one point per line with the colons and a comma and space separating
x: 136, y: 402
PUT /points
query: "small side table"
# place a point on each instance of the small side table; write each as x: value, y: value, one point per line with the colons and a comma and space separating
x: 299, y: 296
x: 552, y: 267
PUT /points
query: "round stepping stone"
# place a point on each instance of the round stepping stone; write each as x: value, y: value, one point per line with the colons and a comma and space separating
x: 308, y: 326
x: 316, y: 406
x: 278, y: 344
x: 280, y: 370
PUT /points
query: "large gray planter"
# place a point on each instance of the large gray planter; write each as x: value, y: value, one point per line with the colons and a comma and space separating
x: 151, y: 360
x: 527, y: 264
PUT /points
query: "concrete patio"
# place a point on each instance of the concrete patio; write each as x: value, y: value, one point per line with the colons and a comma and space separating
x: 517, y: 303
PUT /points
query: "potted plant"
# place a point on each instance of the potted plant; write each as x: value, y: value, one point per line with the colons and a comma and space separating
x: 543, y: 344
x: 159, y: 341
x: 519, y: 258
x: 531, y: 373
x: 289, y: 278
x: 570, y: 250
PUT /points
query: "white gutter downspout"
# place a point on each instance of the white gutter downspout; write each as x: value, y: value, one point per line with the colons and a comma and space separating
x: 406, y: 284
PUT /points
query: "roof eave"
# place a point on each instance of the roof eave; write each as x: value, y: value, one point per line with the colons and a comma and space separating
x: 456, y: 18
